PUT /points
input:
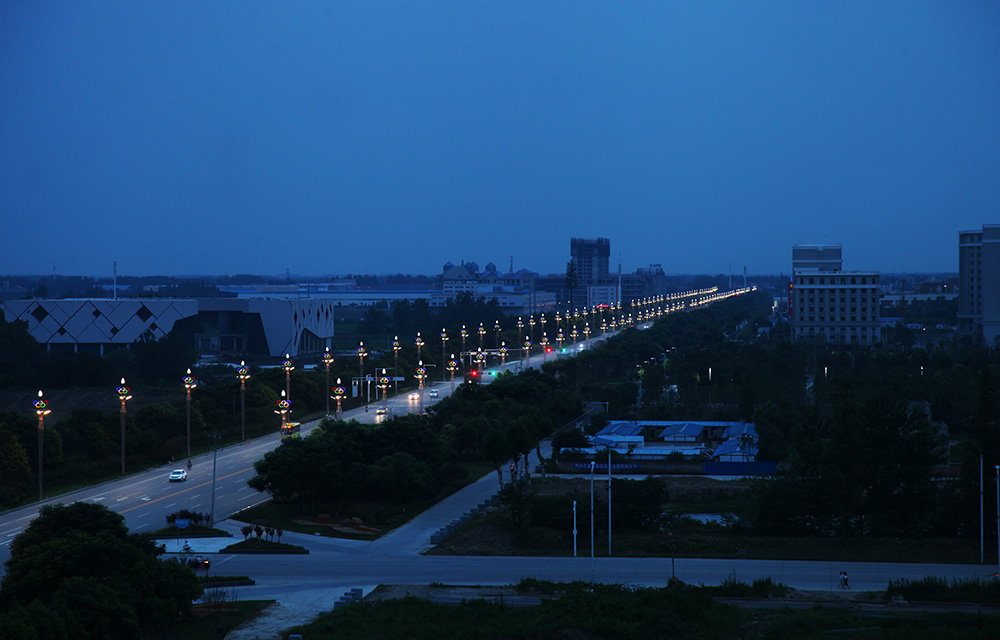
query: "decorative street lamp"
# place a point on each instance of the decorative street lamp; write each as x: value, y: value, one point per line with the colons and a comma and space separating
x: 123, y: 395
x: 284, y: 406
x: 383, y: 384
x: 461, y: 354
x: 42, y: 411
x: 559, y: 339
x: 541, y: 319
x: 527, y: 350
x: 531, y: 327
x: 545, y: 347
x: 420, y: 374
x: 520, y: 326
x: 452, y: 367
x: 503, y: 353
x: 586, y: 331
x: 558, y: 320
x: 362, y: 352
x: 339, y: 393
x: 480, y: 359
x: 444, y: 343
x: 573, y: 334
x: 189, y: 383
x: 327, y: 361
x: 496, y: 331
x: 604, y: 326
x: 420, y: 343
x: 287, y: 365
x: 243, y: 374
x: 395, y: 361
x: 482, y: 332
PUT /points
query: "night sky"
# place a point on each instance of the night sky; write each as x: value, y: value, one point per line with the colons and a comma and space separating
x: 381, y: 137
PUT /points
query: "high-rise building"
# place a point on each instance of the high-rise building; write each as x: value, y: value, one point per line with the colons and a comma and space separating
x: 979, y: 283
x: 590, y: 258
x: 828, y: 304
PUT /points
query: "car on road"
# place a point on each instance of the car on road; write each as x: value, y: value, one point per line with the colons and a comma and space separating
x: 199, y: 562
x: 178, y: 475
x: 434, y: 393
x: 415, y: 395
x: 381, y: 411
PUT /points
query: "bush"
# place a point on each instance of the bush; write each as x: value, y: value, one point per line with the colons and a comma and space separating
x: 936, y: 589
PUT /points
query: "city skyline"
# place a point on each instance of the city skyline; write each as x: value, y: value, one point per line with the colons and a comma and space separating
x: 375, y: 139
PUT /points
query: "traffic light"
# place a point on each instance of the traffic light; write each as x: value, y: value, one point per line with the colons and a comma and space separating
x: 472, y: 377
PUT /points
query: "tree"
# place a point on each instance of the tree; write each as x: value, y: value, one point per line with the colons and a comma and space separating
x: 80, y: 561
x: 15, y: 474
x: 571, y: 279
x: 495, y: 450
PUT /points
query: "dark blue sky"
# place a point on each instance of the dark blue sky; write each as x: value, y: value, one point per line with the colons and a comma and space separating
x: 337, y: 137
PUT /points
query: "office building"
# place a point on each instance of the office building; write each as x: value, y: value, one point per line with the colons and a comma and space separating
x: 979, y: 283
x: 828, y: 304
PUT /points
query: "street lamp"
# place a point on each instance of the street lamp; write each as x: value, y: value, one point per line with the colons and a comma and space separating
x: 545, y: 344
x: 42, y: 411
x: 383, y: 384
x: 244, y: 374
x: 480, y: 359
x: 395, y: 361
x: 482, y: 332
x: 444, y: 343
x: 520, y: 326
x: 284, y: 406
x: 461, y: 354
x: 574, y: 334
x: 420, y: 343
x: 420, y: 374
x: 189, y: 383
x: 586, y: 331
x: 452, y: 368
x: 541, y: 319
x: 559, y: 339
x: 531, y: 326
x: 496, y: 331
x: 362, y: 352
x: 287, y: 365
x: 503, y: 353
x: 123, y: 395
x: 339, y: 393
x: 327, y: 361
x: 527, y: 350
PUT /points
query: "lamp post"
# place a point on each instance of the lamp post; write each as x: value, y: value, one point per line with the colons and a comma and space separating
x: 482, y: 332
x: 339, y: 393
x: 559, y: 339
x: 520, y: 326
x: 503, y: 353
x: 42, y: 411
x: 545, y: 347
x: 444, y: 343
x: 558, y: 321
x: 496, y: 331
x: 189, y: 383
x: 527, y: 351
x: 288, y: 366
x: 461, y: 354
x: 586, y: 331
x: 541, y: 320
x: 383, y: 384
x: 420, y: 343
x: 531, y: 326
x: 452, y: 368
x: 284, y: 406
x: 123, y: 395
x: 480, y: 360
x: 574, y: 334
x: 362, y: 352
x: 395, y: 361
x: 327, y: 361
x: 420, y: 374
x: 244, y: 374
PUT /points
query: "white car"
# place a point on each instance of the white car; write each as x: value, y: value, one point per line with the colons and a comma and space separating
x: 415, y: 395
x: 434, y: 393
x: 178, y: 475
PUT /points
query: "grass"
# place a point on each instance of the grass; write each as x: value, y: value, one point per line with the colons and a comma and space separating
x: 194, y: 531
x: 596, y: 611
x: 207, y: 622
x: 259, y: 545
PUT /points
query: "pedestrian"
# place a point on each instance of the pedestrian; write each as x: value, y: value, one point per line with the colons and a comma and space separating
x: 846, y: 583
x: 843, y: 580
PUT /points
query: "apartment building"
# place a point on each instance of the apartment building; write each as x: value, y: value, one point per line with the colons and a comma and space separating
x: 979, y: 283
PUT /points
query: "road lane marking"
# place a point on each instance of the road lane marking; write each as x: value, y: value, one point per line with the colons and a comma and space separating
x: 177, y: 493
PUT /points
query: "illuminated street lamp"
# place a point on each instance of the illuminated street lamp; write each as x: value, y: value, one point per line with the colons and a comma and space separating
x: 503, y: 353
x: 559, y: 339
x: 244, y: 374
x: 41, y: 408
x: 287, y: 365
x: 189, y: 383
x: 541, y: 319
x: 327, y: 361
x: 123, y: 395
x: 531, y: 326
x: 496, y: 331
x: 586, y: 331
x: 482, y: 332
x: 395, y: 361
x: 604, y: 326
x: 362, y: 352
x: 420, y: 373
x: 452, y: 367
x: 558, y: 320
x: 545, y: 347
x: 444, y: 343
x: 520, y: 326
x: 383, y: 384
x: 480, y: 360
x: 573, y: 334
x: 420, y: 343
x: 339, y: 393
x: 527, y: 350
x: 284, y: 407
x: 461, y: 354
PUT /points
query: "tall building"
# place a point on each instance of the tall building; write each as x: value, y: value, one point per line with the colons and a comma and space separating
x: 979, y: 283
x: 590, y: 257
x: 826, y: 303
